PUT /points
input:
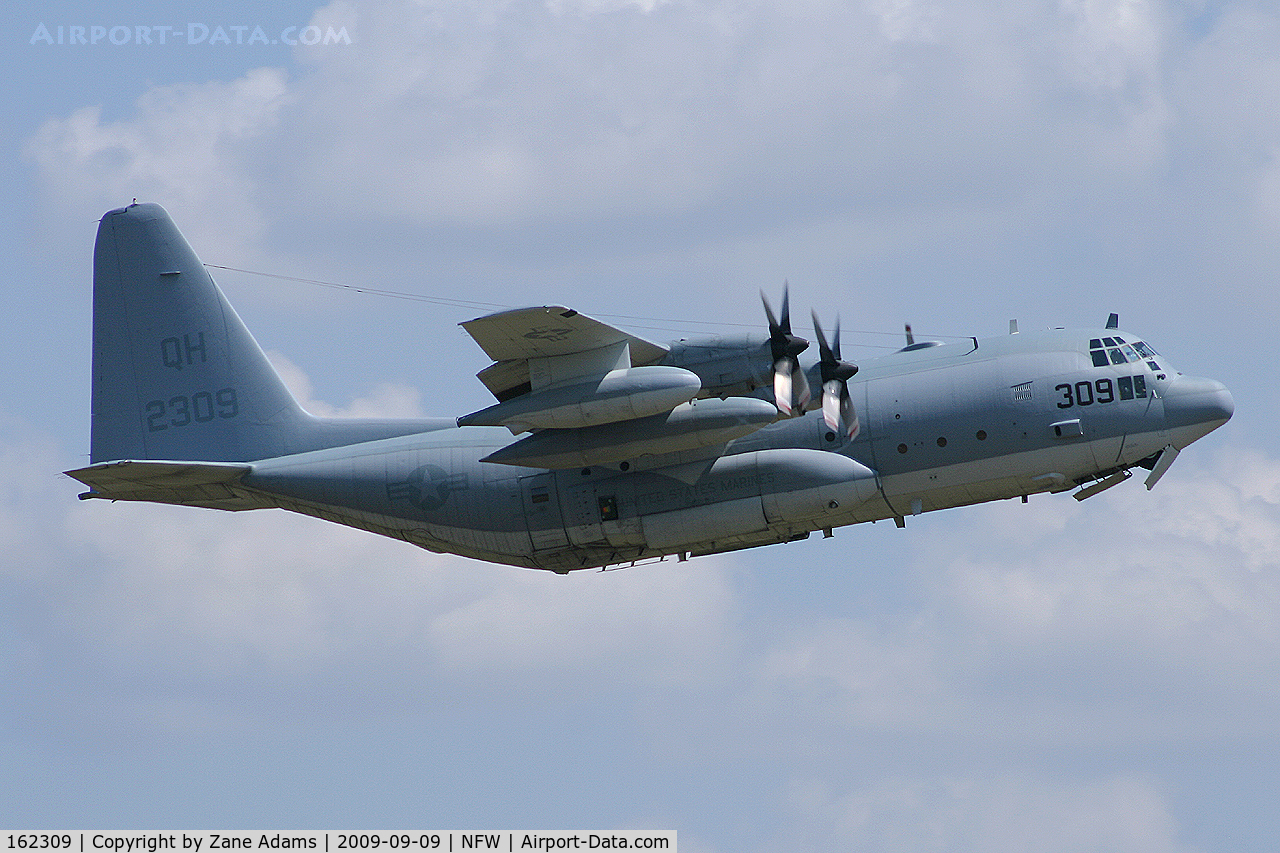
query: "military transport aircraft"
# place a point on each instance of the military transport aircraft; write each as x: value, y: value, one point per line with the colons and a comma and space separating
x: 604, y: 448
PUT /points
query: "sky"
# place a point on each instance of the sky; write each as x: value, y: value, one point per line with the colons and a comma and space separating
x: 1057, y: 676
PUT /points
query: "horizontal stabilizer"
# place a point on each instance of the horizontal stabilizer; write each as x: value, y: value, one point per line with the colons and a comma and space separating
x: 215, y: 485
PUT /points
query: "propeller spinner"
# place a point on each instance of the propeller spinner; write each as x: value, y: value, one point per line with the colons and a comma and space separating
x: 837, y: 405
x: 790, y: 388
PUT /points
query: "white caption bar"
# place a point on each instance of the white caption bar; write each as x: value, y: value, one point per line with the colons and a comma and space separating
x: 335, y: 841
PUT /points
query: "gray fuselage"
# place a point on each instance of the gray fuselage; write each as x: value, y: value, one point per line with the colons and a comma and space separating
x: 605, y: 448
x: 943, y: 426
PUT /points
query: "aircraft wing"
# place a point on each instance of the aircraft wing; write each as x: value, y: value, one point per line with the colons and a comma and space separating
x: 208, y: 484
x: 551, y: 338
x: 591, y: 394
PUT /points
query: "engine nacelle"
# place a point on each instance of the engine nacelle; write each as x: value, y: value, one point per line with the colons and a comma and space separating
x: 807, y: 489
x: 620, y: 395
x: 727, y: 365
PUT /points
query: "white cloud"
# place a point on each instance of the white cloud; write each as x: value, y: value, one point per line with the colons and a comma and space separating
x: 473, y: 115
x: 595, y: 7
x: 994, y: 814
x: 657, y: 623
x: 506, y: 143
x: 907, y: 20
x: 212, y: 594
x: 1185, y: 578
x: 386, y: 400
x: 1231, y: 144
x: 188, y: 145
x: 881, y: 676
x: 1142, y: 617
x: 172, y: 606
x: 30, y: 481
x: 1116, y: 44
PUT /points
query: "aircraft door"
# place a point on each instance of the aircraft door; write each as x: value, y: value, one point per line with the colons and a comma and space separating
x: 542, y: 512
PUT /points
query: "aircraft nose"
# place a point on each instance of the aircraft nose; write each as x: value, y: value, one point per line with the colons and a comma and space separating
x: 1195, y: 402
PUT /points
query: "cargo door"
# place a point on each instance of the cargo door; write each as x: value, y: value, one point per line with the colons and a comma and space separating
x: 542, y: 512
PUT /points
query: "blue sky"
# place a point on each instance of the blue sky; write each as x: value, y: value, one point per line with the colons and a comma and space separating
x: 1051, y: 676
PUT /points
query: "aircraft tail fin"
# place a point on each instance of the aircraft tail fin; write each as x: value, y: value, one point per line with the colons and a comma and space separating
x: 176, y: 375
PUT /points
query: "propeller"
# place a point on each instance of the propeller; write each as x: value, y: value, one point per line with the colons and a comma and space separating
x: 837, y: 405
x: 789, y: 385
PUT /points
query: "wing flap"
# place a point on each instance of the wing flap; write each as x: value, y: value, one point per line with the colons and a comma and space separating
x: 535, y: 347
x: 507, y: 379
x: 215, y: 485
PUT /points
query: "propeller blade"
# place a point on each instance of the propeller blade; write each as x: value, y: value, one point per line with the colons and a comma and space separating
x: 832, y: 403
x: 803, y: 395
x: 849, y: 414
x: 768, y: 312
x: 789, y: 381
x: 782, y: 386
x: 790, y: 387
x: 824, y: 351
x: 781, y: 339
x: 837, y: 406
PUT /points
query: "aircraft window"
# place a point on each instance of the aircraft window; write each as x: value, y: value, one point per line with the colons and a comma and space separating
x: 1140, y: 387
x: 1119, y: 339
x: 1106, y: 351
x: 1153, y: 366
x: 1125, y: 384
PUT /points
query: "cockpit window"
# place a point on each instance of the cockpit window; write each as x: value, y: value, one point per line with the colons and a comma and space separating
x: 1132, y: 386
x: 1114, y: 350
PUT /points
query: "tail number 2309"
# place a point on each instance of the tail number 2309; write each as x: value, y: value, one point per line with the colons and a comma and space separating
x: 201, y: 407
